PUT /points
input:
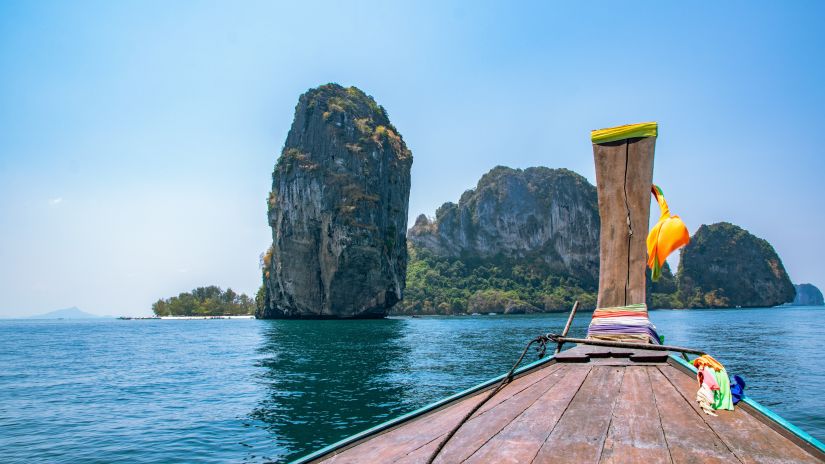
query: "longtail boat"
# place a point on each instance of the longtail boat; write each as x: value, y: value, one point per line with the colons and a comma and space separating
x: 618, y: 396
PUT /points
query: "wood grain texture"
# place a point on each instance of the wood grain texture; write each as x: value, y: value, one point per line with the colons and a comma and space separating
x: 479, y: 429
x: 397, y: 443
x: 611, y: 355
x: 585, y: 413
x: 611, y: 161
x: 407, y: 438
x: 750, y: 440
x: 418, y: 456
x: 521, y: 440
x: 580, y: 433
x: 635, y: 433
x: 638, y: 180
x: 624, y: 174
x: 688, y: 437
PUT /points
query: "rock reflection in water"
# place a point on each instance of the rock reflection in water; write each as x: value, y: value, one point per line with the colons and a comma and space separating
x: 326, y: 378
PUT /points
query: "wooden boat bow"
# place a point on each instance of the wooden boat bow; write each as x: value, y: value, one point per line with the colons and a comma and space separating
x: 603, y: 401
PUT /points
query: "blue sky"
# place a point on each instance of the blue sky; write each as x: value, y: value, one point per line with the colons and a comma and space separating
x: 137, y: 139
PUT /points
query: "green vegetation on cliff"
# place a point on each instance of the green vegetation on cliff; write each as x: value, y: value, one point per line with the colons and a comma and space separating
x: 725, y: 266
x: 520, y: 241
x: 452, y: 285
x: 338, y: 211
x: 206, y: 301
x: 443, y: 285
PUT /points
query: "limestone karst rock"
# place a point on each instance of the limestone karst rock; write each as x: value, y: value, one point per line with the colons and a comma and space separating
x: 538, y: 212
x: 527, y: 240
x: 338, y: 211
x: 726, y: 266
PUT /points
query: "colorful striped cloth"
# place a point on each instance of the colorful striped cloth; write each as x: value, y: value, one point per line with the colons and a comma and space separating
x: 623, y: 324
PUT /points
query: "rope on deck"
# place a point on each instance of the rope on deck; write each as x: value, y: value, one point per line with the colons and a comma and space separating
x: 542, y: 348
x: 542, y: 340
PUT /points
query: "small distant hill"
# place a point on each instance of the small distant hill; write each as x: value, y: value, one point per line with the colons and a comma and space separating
x: 807, y: 295
x: 68, y: 313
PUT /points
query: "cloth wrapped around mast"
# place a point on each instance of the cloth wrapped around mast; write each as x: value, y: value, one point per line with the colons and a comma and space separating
x: 624, y: 324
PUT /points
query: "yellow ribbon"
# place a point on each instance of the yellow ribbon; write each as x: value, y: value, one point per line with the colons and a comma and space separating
x: 668, y: 235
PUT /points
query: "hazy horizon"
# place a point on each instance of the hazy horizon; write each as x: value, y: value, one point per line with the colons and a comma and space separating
x: 137, y: 139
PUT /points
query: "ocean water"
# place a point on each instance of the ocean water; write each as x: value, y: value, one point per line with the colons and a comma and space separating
x: 261, y: 391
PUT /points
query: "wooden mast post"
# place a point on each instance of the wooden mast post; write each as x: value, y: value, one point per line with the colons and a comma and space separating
x: 624, y: 174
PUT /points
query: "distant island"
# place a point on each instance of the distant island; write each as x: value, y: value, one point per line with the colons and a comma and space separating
x: 67, y: 313
x: 808, y: 295
x: 206, y: 301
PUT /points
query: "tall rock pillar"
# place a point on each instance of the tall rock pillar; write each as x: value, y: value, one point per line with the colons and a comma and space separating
x: 338, y: 211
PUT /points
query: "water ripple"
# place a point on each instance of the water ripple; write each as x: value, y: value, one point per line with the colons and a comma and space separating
x: 262, y: 391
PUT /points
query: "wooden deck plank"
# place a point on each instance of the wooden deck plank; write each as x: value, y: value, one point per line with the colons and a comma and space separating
x: 419, y: 456
x: 585, y: 413
x: 479, y: 429
x: 750, y: 440
x: 521, y: 440
x: 635, y: 433
x: 611, y: 355
x: 517, y: 386
x: 408, y: 437
x: 580, y: 433
x: 400, y: 441
x: 688, y: 437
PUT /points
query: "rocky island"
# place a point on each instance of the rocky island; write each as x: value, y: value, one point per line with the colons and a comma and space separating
x: 807, y: 295
x: 338, y: 211
x: 521, y: 241
x: 725, y: 266
x: 528, y: 241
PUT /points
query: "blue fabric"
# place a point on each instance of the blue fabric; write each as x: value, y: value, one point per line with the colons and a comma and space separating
x: 737, y: 388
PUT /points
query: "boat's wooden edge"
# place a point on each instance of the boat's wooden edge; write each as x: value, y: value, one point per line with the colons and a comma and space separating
x: 766, y: 416
x: 749, y: 405
x: 391, y: 424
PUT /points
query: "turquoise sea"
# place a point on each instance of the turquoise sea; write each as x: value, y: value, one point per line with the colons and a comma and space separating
x: 259, y: 391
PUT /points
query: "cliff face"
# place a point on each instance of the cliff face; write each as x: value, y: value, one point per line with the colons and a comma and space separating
x: 537, y: 213
x: 726, y: 266
x: 338, y: 211
x: 807, y: 295
x: 521, y: 241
